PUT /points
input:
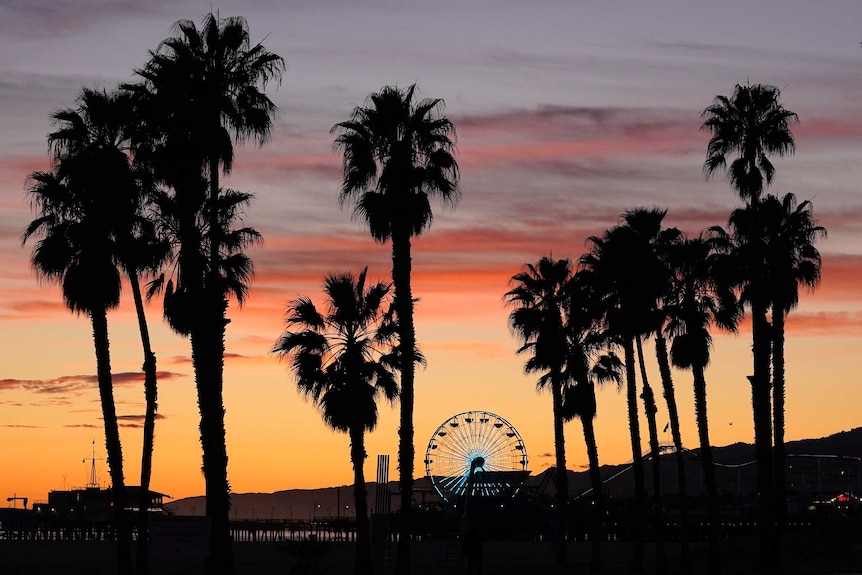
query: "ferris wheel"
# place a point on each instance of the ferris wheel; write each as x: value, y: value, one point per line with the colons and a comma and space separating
x: 479, y: 442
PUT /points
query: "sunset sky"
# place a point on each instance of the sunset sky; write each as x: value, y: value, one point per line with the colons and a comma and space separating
x: 568, y: 113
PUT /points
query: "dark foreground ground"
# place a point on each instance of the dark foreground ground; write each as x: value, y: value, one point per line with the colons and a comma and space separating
x: 809, y: 553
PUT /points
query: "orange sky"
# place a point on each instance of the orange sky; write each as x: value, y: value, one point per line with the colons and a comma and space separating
x: 560, y: 129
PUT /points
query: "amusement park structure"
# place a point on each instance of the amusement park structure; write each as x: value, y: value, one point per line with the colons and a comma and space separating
x: 476, y: 453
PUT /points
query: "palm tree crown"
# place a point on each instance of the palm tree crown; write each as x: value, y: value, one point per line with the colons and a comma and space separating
x: 343, y: 358
x: 540, y: 297
x: 695, y: 299
x: 397, y: 153
x: 752, y: 124
x: 206, y: 84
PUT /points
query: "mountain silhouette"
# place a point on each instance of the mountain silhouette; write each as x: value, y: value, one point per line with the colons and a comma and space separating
x: 820, y: 467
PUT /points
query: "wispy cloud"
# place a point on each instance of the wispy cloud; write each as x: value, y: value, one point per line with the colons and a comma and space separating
x: 75, y: 385
x: 135, y: 421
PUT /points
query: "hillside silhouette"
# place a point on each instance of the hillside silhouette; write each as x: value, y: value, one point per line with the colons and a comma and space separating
x: 736, y: 474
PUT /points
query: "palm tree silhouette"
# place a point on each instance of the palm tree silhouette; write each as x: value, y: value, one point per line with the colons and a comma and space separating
x: 753, y: 125
x: 625, y: 269
x: 694, y: 300
x: 185, y: 226
x: 398, y: 154
x: 103, y: 120
x: 586, y: 366
x: 793, y: 261
x: 539, y: 295
x: 343, y: 358
x: 201, y: 91
x: 601, y: 266
x: 648, y: 241
x: 78, y: 204
x: 744, y: 265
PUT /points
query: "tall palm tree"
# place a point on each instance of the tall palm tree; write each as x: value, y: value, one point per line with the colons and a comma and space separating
x: 669, y: 393
x: 397, y: 155
x: 101, y: 121
x: 625, y: 267
x: 539, y: 295
x: 696, y: 299
x: 188, y: 314
x: 751, y: 124
x: 603, y: 267
x: 651, y: 242
x: 343, y: 359
x: 587, y: 366
x: 647, y: 226
x: 201, y: 90
x: 793, y: 261
x: 744, y: 265
x: 77, y: 248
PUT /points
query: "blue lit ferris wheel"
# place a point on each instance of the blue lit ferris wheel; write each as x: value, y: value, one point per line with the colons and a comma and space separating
x: 479, y: 441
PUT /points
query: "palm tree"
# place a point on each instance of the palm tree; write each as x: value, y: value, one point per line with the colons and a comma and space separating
x: 752, y: 124
x: 101, y: 122
x: 695, y: 300
x: 625, y: 267
x: 744, y: 265
x: 603, y: 267
x: 343, y: 359
x: 201, y: 91
x: 793, y: 261
x: 586, y: 368
x: 647, y: 224
x: 397, y: 155
x: 184, y: 225
x: 669, y: 393
x: 76, y: 206
x: 539, y: 296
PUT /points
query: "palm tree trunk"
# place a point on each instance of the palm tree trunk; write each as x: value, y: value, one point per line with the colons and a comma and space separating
x: 401, y: 272
x: 713, y: 515
x: 559, y: 538
x: 673, y: 414
x: 362, y: 564
x: 113, y: 446
x: 598, y: 495
x: 761, y: 404
x: 207, y: 340
x: 637, y: 459
x: 151, y: 397
x: 778, y: 392
x: 658, y: 516
x: 208, y: 361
